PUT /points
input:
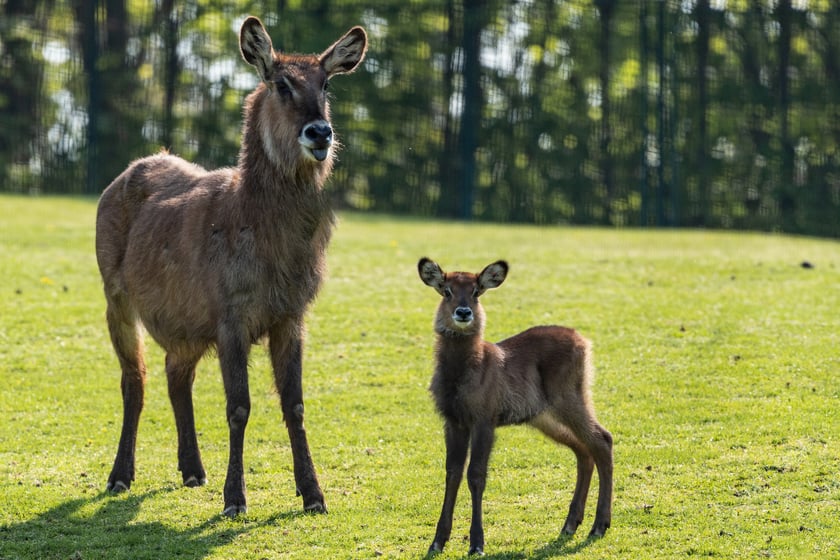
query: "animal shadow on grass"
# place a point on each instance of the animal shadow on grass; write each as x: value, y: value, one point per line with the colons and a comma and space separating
x: 555, y: 549
x: 69, y: 530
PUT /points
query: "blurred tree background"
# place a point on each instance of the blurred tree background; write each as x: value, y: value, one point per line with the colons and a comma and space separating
x: 698, y: 113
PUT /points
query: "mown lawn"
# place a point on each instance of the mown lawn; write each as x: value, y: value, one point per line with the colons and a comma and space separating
x: 717, y: 356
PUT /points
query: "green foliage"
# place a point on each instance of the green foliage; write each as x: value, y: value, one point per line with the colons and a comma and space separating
x: 583, y: 113
x: 716, y: 359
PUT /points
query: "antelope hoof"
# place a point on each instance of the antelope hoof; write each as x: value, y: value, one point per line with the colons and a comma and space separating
x: 313, y: 502
x: 234, y: 510
x: 569, y: 528
x: 598, y: 530
x: 117, y: 487
x: 434, y: 550
x: 193, y: 481
x: 315, y: 507
x: 476, y: 551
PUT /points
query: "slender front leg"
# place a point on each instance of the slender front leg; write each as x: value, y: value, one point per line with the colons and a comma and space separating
x: 457, y: 440
x: 233, y: 351
x: 286, y: 347
x: 482, y: 445
x: 180, y: 375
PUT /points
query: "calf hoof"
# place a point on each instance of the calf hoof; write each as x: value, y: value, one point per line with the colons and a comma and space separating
x: 117, y: 486
x: 313, y: 502
x: 598, y: 530
x: 568, y: 530
x: 476, y: 551
x: 315, y: 507
x: 234, y: 510
x: 434, y: 550
x: 193, y: 481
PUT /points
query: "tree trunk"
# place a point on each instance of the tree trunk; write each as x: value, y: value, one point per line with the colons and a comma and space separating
x: 170, y: 23
x: 605, y: 9
x: 447, y: 203
x: 473, y: 103
x: 702, y: 143
x: 20, y: 86
x: 787, y: 194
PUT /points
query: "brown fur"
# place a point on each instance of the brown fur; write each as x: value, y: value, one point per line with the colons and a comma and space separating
x: 224, y: 258
x: 541, y: 376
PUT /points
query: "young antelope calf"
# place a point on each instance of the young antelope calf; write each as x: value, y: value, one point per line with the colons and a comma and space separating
x: 541, y: 376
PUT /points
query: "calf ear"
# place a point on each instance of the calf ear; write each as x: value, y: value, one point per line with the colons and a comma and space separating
x: 344, y: 55
x: 492, y: 276
x: 431, y: 274
x: 256, y: 47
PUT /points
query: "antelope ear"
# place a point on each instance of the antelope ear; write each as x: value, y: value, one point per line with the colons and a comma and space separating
x: 344, y: 55
x: 256, y: 47
x: 431, y: 274
x: 492, y: 276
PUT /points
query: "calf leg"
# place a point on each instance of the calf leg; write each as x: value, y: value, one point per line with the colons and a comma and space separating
x: 286, y: 348
x: 128, y: 346
x: 552, y: 426
x: 457, y: 442
x: 482, y: 444
x: 598, y: 447
x: 180, y: 374
x: 585, y: 466
x: 233, y: 349
x: 602, y: 450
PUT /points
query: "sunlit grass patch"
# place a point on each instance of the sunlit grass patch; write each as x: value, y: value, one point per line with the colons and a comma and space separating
x: 716, y: 358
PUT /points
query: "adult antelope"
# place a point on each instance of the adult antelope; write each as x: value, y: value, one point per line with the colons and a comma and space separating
x: 225, y: 258
x: 541, y: 376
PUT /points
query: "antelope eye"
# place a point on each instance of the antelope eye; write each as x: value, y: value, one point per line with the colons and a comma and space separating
x: 447, y: 293
x: 282, y: 87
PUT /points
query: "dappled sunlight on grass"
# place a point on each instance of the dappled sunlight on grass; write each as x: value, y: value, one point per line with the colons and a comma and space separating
x: 716, y: 360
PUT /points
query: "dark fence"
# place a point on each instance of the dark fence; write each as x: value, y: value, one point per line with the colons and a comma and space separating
x: 692, y: 113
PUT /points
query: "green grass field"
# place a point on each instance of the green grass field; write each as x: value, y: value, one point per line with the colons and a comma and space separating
x: 717, y: 358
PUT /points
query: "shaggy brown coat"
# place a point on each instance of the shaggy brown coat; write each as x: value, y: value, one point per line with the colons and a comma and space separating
x: 220, y: 259
x: 541, y: 376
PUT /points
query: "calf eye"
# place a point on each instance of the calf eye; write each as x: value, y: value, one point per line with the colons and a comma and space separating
x: 447, y: 293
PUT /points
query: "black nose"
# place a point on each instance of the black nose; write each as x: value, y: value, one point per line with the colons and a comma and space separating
x: 319, y: 132
x: 463, y: 314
